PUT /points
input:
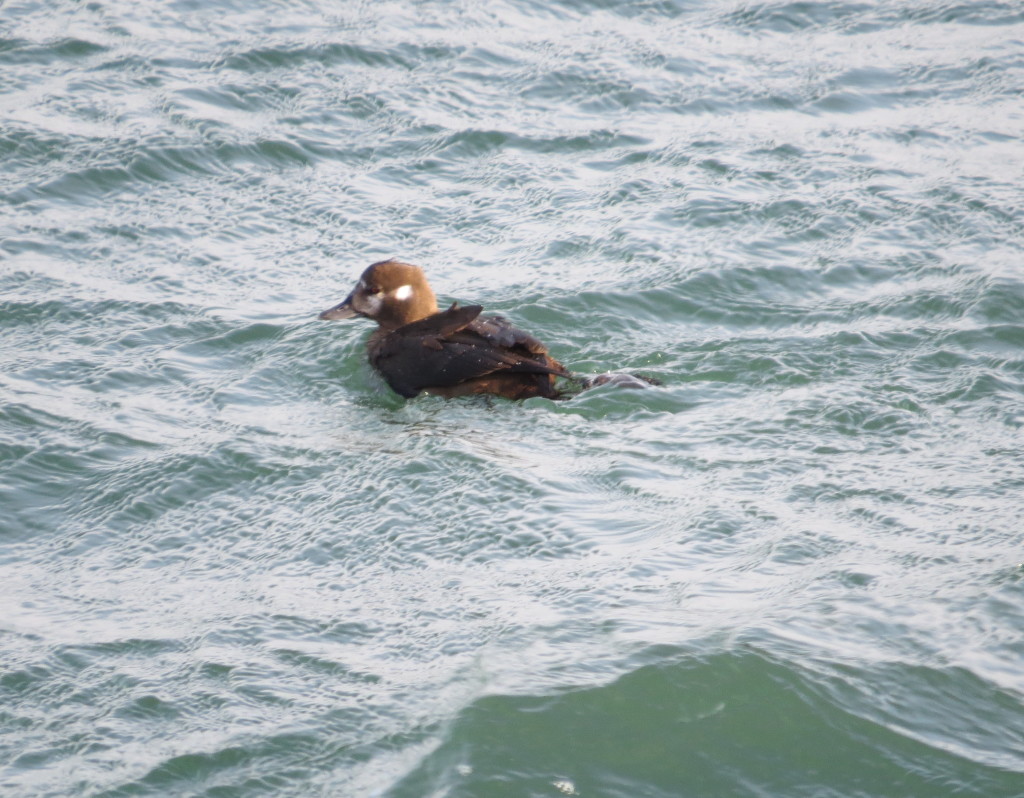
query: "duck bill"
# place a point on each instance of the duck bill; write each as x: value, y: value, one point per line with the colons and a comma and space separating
x: 342, y: 311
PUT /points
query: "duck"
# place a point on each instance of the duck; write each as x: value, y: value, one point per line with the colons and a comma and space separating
x: 418, y: 348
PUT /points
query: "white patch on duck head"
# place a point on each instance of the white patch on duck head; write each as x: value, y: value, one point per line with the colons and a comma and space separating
x: 372, y: 304
x: 366, y: 301
x: 403, y: 292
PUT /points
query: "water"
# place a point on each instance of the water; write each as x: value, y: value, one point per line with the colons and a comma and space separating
x: 235, y: 564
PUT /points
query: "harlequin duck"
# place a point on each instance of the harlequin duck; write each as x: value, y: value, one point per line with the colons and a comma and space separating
x: 455, y: 352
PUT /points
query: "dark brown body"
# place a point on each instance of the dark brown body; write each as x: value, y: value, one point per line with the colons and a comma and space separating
x: 458, y: 352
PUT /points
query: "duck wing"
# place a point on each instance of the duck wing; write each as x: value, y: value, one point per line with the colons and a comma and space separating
x: 454, y: 346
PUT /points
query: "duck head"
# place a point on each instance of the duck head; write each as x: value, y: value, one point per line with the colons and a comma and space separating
x: 391, y: 293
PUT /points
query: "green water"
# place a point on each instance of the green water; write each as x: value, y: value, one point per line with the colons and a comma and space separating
x: 233, y: 563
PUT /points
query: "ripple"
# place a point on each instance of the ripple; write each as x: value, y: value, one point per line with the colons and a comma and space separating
x: 20, y: 52
x: 237, y: 563
x: 403, y: 57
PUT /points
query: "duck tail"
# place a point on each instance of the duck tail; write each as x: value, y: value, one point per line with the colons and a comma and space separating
x: 621, y: 379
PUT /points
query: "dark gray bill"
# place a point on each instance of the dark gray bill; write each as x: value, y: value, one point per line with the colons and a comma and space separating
x: 342, y: 311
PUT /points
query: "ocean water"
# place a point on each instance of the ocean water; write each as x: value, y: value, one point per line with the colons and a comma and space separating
x: 233, y: 563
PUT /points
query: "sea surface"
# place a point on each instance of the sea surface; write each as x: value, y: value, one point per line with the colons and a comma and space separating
x: 234, y: 563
